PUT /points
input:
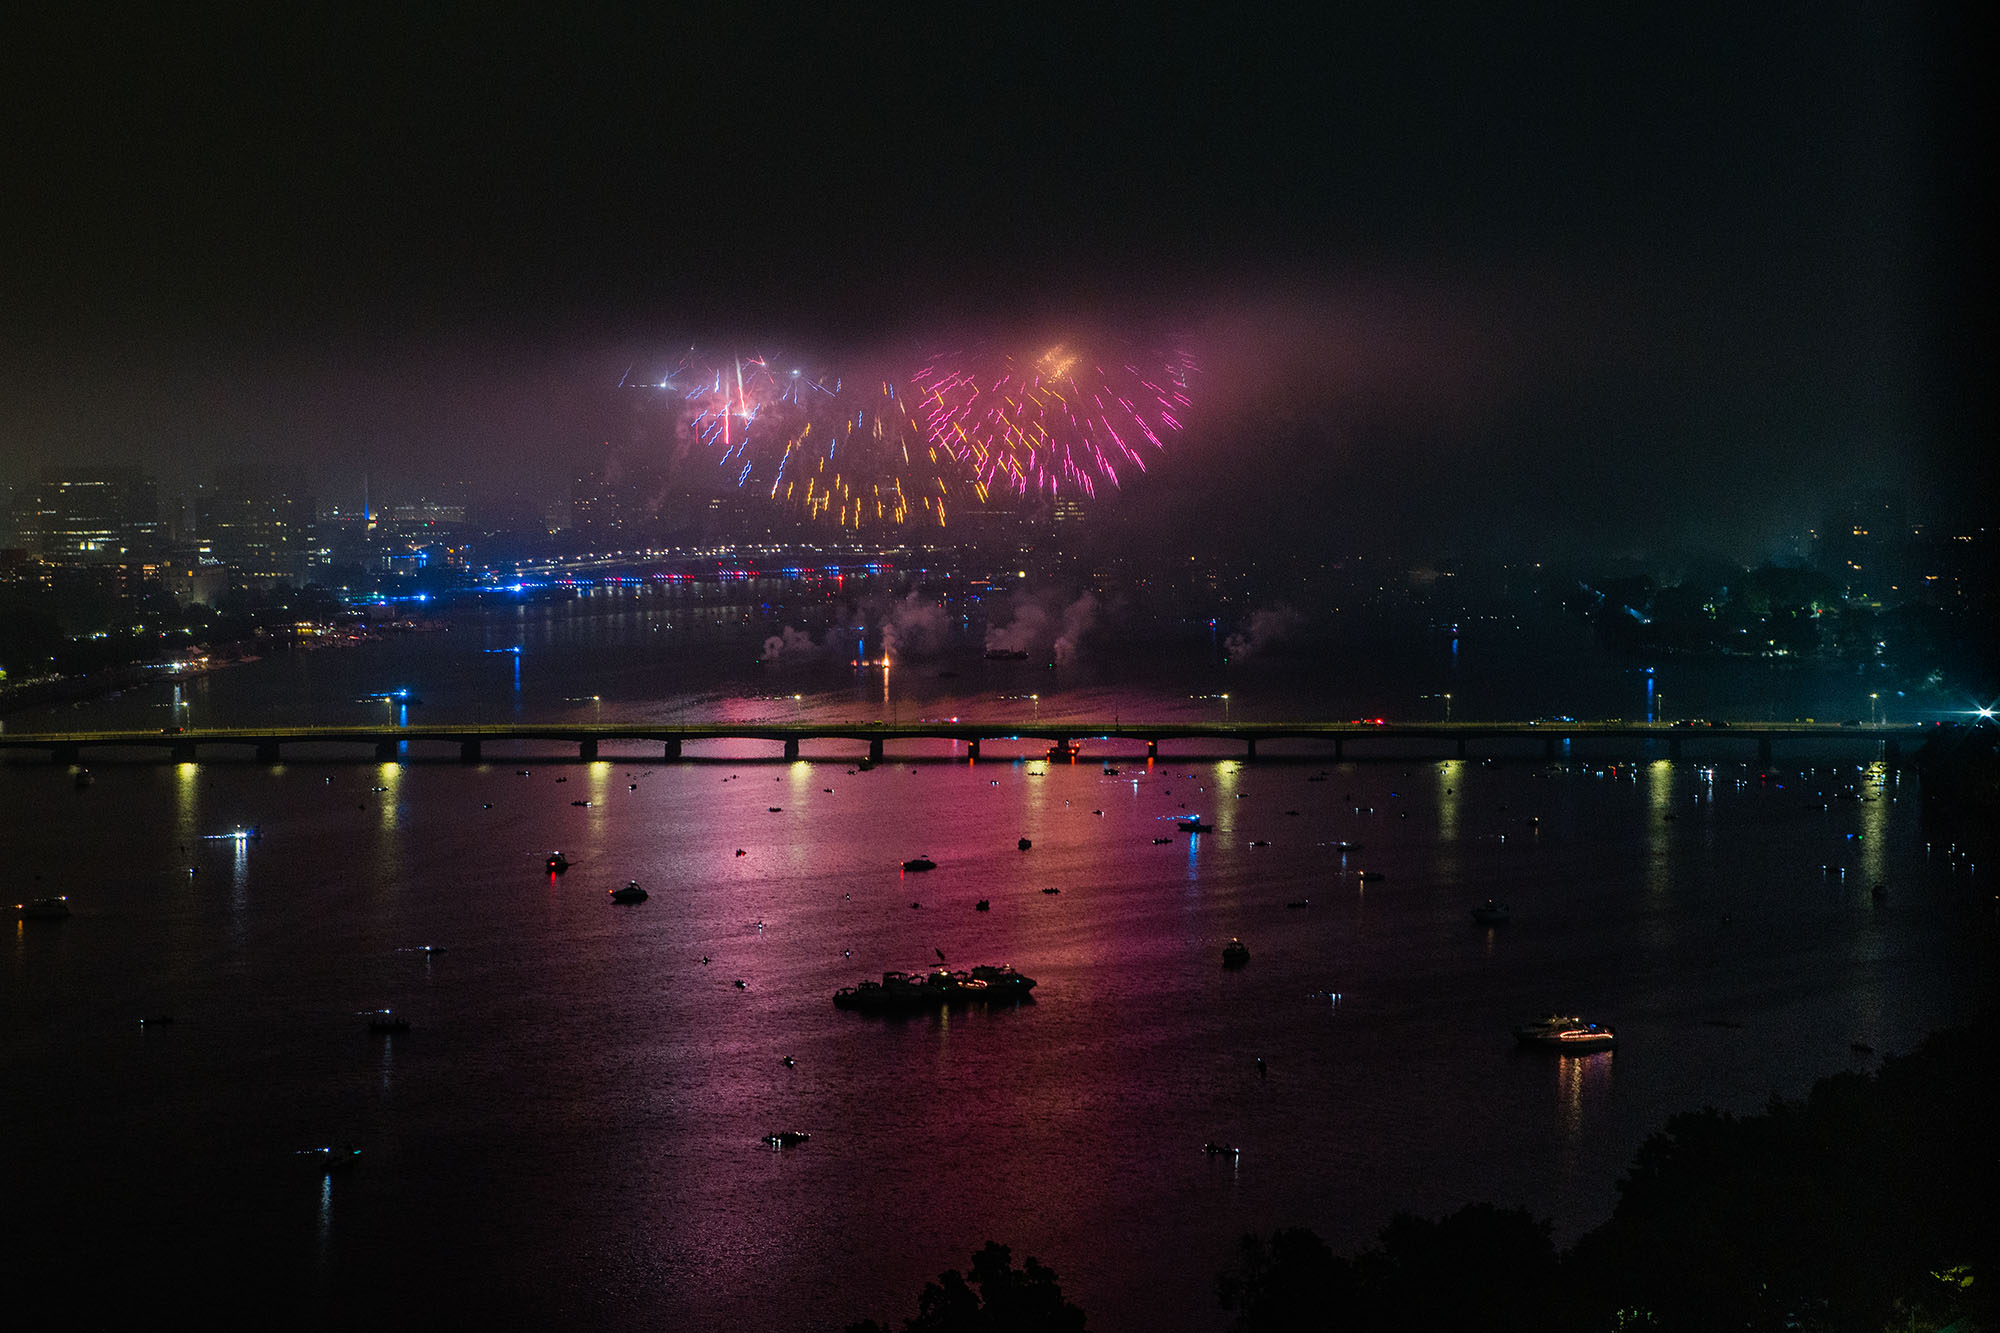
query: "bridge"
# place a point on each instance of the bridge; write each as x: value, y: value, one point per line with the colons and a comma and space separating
x: 1337, y: 740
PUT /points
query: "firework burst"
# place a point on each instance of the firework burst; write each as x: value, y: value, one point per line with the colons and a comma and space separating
x: 858, y: 451
x: 1058, y: 420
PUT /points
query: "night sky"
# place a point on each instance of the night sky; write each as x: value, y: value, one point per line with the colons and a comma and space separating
x: 1620, y: 277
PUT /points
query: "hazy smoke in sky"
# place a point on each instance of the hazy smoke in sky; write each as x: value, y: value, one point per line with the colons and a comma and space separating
x: 1265, y: 628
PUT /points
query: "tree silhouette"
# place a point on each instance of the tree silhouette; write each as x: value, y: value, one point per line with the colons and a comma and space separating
x: 994, y: 1297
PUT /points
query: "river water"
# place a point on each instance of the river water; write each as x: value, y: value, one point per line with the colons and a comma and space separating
x: 568, y: 1135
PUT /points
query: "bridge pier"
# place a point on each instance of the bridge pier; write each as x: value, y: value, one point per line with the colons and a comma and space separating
x: 792, y: 748
x: 1152, y: 751
x: 1461, y: 747
x: 1250, y: 747
x: 972, y: 750
x: 385, y: 751
x: 267, y: 752
x: 587, y: 749
x: 468, y: 752
x: 673, y: 749
x: 183, y: 753
x: 1892, y: 753
x: 875, y: 749
x: 1673, y: 747
x: 1549, y: 748
x: 1339, y: 748
x: 1764, y: 751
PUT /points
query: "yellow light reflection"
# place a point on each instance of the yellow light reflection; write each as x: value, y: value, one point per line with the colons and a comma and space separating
x: 1451, y: 774
x: 389, y: 777
x: 1874, y: 826
x: 187, y: 788
x: 1659, y: 806
x: 599, y: 779
x: 1582, y: 1082
x: 1227, y: 774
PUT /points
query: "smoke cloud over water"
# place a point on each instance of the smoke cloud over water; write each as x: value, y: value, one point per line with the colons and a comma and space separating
x: 914, y: 627
x: 792, y: 645
x: 1044, y: 624
x: 1266, y: 628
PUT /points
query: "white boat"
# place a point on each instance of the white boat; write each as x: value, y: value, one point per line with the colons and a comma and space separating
x: 1559, y: 1032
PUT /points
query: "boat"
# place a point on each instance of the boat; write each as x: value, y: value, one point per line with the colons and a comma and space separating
x: 1561, y: 1032
x: 919, y: 992
x: 557, y: 863
x: 1024, y: 844
x: 786, y: 1138
x: 328, y: 1159
x: 44, y: 909
x: 1193, y: 825
x: 83, y: 778
x: 1235, y: 953
x: 631, y: 893
x: 383, y: 1021
x: 1345, y: 847
x: 917, y: 863
x: 1221, y: 1150
x: 1491, y: 913
x: 1368, y: 876
x: 1002, y: 981
x: 983, y: 905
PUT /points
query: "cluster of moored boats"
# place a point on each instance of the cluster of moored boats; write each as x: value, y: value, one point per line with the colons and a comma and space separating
x: 918, y: 992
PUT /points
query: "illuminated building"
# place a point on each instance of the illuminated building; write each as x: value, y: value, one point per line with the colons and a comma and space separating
x: 96, y: 516
x: 257, y: 524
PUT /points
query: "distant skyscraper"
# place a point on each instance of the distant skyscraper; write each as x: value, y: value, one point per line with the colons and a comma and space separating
x: 97, y: 516
x: 257, y: 523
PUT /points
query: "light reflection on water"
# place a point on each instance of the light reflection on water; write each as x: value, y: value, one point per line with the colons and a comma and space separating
x: 585, y: 1096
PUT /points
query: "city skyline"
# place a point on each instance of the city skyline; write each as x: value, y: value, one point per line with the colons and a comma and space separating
x: 1671, y: 279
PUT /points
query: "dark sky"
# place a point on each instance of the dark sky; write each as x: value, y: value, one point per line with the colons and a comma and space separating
x: 1631, y: 274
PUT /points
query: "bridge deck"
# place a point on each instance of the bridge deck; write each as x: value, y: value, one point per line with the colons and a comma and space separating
x: 389, y: 741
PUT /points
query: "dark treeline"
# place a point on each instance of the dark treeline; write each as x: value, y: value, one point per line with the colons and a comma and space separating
x: 1866, y: 1207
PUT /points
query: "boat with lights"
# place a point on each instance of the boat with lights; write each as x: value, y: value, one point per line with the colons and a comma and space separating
x: 920, y: 992
x: 1235, y: 953
x: 44, y: 909
x: 631, y: 893
x: 1491, y: 913
x: 1568, y: 1033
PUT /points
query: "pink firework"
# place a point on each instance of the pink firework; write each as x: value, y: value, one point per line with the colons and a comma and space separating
x: 1054, y: 420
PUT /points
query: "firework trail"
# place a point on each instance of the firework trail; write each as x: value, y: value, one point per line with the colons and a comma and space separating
x: 1057, y: 421
x: 863, y: 450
